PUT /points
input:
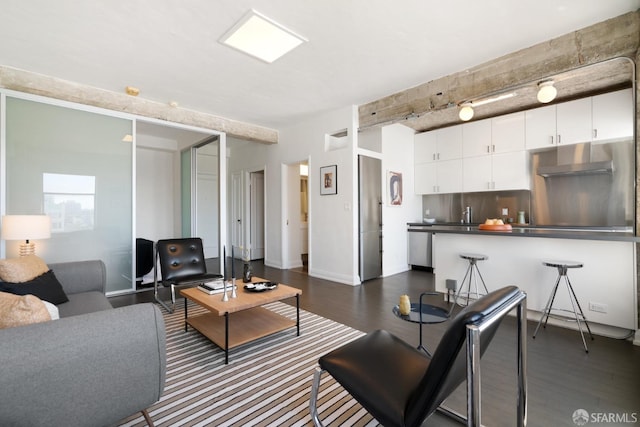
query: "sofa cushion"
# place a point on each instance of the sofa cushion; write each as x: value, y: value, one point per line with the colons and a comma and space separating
x: 84, y: 302
x: 46, y: 286
x: 17, y: 310
x: 22, y: 269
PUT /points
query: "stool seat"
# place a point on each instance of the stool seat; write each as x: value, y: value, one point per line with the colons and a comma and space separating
x: 470, y: 274
x: 474, y: 257
x: 576, y: 311
x: 563, y: 264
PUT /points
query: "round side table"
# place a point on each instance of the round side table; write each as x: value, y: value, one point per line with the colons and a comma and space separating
x: 422, y: 313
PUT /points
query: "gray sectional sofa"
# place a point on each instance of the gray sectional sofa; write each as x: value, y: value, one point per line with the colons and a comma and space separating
x: 93, y: 367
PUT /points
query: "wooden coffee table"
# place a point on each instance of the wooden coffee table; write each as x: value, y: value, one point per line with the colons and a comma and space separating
x: 240, y: 320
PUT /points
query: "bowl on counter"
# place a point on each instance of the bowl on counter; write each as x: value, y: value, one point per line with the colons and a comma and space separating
x: 429, y: 220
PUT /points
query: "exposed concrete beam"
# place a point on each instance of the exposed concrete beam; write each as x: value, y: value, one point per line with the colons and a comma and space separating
x: 38, y: 84
x: 434, y: 104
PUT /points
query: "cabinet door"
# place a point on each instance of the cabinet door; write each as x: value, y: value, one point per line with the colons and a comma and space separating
x: 450, y: 142
x: 449, y: 176
x: 425, y: 178
x: 476, y: 138
x: 540, y: 127
x: 507, y: 133
x: 613, y: 116
x: 424, y: 147
x: 511, y: 171
x: 476, y: 173
x: 573, y: 121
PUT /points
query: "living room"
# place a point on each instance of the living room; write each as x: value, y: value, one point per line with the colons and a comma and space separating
x: 149, y: 178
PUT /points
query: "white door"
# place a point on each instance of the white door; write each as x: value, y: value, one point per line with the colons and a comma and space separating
x: 257, y: 215
x: 236, y: 220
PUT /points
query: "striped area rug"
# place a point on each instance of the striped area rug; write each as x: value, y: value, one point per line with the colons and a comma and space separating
x: 266, y: 383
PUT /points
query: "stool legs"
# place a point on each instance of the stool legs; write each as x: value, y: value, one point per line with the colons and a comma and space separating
x: 578, y: 314
x: 473, y: 266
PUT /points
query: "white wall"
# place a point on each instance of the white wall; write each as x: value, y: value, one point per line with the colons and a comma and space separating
x: 397, y: 151
x: 332, y: 220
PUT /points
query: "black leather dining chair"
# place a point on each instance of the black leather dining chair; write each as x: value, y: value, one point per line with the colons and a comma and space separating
x: 182, y: 264
x: 401, y: 386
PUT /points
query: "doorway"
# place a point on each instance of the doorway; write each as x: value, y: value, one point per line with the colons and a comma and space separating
x: 247, y: 215
x: 296, y: 244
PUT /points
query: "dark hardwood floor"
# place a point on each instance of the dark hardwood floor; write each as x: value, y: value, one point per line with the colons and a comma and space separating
x: 561, y: 376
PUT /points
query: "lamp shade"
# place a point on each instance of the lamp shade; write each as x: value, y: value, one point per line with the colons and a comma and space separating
x: 25, y: 227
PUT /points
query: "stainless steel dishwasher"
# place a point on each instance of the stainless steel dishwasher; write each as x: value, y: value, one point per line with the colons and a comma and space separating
x: 419, y: 242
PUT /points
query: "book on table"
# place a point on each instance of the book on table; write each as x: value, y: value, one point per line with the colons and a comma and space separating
x: 211, y: 290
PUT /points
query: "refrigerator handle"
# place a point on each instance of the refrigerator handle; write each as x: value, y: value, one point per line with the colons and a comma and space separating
x: 380, y: 212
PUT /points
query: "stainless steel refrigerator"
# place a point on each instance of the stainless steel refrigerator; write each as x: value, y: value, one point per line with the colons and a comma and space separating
x: 370, y: 217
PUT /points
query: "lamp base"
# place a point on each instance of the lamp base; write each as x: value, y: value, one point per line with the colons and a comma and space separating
x: 27, y: 249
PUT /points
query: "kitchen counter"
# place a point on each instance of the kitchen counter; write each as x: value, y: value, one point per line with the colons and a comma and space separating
x: 606, y: 286
x: 620, y: 234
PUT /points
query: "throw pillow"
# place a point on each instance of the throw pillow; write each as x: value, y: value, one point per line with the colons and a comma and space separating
x: 16, y: 310
x: 22, y: 269
x: 46, y: 287
x: 52, y: 309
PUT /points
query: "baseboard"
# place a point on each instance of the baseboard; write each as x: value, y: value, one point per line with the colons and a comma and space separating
x: 328, y: 275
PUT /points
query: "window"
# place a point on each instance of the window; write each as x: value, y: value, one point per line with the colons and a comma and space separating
x: 69, y: 200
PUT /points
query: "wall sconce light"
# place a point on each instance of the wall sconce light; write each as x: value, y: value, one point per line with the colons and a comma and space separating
x: 546, y: 91
x: 466, y: 112
x: 26, y: 227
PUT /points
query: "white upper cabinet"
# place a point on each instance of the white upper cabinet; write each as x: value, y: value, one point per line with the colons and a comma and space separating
x: 438, y: 177
x: 501, y: 171
x: 573, y: 121
x: 613, y: 116
x: 439, y: 144
x: 424, y: 147
x: 507, y: 133
x: 449, y: 142
x: 476, y: 138
x: 437, y: 161
x: 540, y: 127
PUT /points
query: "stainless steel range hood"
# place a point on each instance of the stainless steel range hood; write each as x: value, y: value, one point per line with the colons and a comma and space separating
x: 592, y: 168
x: 579, y: 159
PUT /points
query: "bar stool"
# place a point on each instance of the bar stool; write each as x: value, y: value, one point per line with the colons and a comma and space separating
x: 471, y: 269
x: 578, y: 314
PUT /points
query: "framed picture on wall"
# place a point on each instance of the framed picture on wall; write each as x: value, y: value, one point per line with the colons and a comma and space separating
x: 394, y: 188
x: 328, y: 180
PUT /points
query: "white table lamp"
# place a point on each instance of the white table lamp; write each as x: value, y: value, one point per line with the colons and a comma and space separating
x: 26, y: 227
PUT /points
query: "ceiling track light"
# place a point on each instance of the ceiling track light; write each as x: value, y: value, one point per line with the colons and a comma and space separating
x: 546, y: 91
x: 466, y: 112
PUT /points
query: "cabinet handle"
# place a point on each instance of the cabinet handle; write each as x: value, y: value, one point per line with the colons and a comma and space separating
x: 551, y: 138
x: 433, y: 156
x: 438, y: 156
x: 559, y: 140
x: 493, y: 148
x: 595, y: 134
x: 488, y: 149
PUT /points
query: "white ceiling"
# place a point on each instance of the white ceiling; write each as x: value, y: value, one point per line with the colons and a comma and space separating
x: 358, y: 50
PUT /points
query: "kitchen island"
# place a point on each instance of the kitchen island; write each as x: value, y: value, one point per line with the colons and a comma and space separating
x: 606, y: 286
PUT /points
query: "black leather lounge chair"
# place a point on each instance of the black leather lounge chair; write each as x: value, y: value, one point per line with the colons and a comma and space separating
x: 182, y: 264
x: 402, y: 386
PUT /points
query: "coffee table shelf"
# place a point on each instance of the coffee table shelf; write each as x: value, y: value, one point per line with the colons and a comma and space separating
x: 244, y: 326
x: 242, y: 319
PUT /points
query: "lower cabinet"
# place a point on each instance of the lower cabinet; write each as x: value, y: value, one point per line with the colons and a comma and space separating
x: 505, y: 171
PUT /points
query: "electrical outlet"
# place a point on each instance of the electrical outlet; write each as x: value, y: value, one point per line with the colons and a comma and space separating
x: 505, y: 211
x: 597, y: 307
x: 452, y: 284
